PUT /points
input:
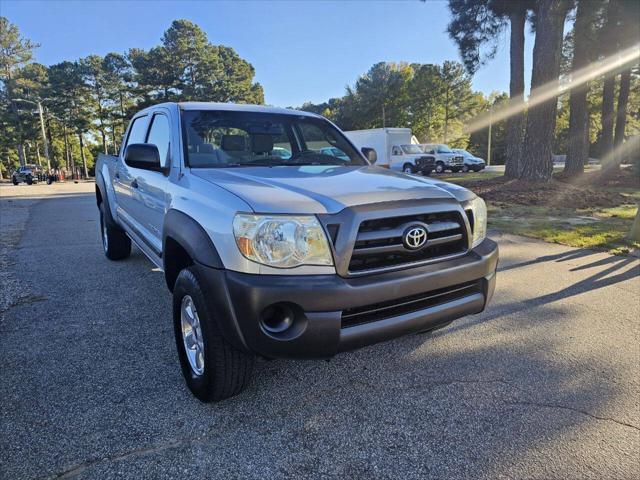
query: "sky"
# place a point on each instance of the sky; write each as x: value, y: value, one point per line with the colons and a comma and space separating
x: 301, y: 50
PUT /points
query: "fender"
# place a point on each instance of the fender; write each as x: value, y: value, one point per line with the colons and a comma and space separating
x: 192, y: 237
x: 189, y: 234
x: 100, y: 185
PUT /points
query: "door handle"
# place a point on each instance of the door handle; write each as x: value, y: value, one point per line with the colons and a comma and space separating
x: 134, y: 184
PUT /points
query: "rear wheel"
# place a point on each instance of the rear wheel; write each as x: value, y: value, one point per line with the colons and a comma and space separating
x: 29, y: 180
x: 212, y: 367
x: 115, y: 243
x: 439, y: 167
x: 465, y: 168
x: 15, y: 180
x: 408, y: 168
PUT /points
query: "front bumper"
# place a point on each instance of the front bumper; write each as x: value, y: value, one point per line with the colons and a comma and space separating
x: 319, y: 301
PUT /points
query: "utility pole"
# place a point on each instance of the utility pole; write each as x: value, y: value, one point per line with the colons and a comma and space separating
x: 489, y: 141
x: 44, y: 137
x: 42, y: 129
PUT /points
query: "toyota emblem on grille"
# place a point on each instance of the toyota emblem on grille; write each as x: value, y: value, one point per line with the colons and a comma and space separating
x: 415, y: 237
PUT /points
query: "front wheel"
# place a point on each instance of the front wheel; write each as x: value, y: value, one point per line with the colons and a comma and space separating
x: 29, y: 180
x: 115, y: 243
x: 15, y: 180
x: 465, y: 168
x: 408, y: 168
x: 212, y: 367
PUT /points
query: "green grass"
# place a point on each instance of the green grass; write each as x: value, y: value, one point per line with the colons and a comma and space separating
x: 462, y: 178
x: 603, y: 228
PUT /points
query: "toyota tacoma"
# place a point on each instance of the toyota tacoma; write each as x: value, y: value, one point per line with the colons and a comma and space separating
x: 302, y: 255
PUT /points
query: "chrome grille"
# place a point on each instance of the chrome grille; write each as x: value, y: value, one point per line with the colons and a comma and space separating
x: 379, y: 243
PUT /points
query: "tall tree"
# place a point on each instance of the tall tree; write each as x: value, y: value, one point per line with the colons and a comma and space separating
x: 479, y: 23
x: 610, y: 43
x: 15, y: 52
x: 629, y: 36
x: 537, y: 163
x: 584, y: 32
x: 517, y: 20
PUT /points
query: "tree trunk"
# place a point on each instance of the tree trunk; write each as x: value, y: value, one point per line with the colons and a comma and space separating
x: 635, y: 229
x: 621, y: 115
x: 541, y: 117
x: 67, y: 150
x: 21, y: 157
x: 578, y: 148
x: 84, y: 158
x: 606, y: 137
x: 516, y: 93
x: 610, y: 43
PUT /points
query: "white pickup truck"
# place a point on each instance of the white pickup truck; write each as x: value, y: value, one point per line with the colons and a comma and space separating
x: 278, y: 238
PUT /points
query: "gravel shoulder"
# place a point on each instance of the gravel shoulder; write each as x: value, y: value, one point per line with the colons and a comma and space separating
x: 543, y: 384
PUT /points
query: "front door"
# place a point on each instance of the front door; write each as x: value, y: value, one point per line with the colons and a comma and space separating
x: 150, y: 186
x: 124, y: 179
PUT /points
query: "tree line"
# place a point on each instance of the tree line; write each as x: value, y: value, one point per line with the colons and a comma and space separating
x: 603, y: 30
x: 435, y: 101
x: 86, y: 103
x: 564, y: 113
x: 584, y: 100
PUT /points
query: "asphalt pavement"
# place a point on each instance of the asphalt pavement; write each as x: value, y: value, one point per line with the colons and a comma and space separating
x: 544, y: 384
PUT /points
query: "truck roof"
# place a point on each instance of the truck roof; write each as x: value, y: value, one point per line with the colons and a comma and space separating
x: 236, y: 107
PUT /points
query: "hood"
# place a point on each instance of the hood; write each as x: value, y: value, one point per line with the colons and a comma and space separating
x: 324, y: 189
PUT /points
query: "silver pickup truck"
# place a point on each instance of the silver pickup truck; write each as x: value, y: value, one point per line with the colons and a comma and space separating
x: 278, y: 238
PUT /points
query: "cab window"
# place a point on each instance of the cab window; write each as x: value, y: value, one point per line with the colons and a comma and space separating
x: 159, y: 135
x: 138, y: 130
x: 396, y: 151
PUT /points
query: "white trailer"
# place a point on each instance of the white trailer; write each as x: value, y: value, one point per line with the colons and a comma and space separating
x: 397, y: 148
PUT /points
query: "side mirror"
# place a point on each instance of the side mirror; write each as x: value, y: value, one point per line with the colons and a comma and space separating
x: 143, y: 155
x: 370, y: 153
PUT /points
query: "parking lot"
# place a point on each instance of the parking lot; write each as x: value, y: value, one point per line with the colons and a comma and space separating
x: 543, y: 384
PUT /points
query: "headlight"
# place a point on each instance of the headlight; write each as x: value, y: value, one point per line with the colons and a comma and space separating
x: 282, y: 241
x: 479, y: 210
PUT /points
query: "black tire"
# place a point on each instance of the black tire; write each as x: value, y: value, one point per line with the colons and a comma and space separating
x: 115, y: 243
x: 15, y: 180
x: 227, y: 370
x: 29, y: 180
x: 465, y: 168
x: 439, y: 167
x: 408, y: 168
x: 49, y: 180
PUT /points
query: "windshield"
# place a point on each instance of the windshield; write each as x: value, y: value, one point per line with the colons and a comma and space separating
x: 444, y: 149
x: 411, y: 149
x: 217, y: 139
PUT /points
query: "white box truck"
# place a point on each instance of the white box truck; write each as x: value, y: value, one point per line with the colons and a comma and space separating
x: 396, y: 148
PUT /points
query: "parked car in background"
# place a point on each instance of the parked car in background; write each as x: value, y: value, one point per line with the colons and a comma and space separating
x: 471, y: 162
x: 396, y: 149
x: 28, y: 174
x: 302, y: 257
x: 445, y: 158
